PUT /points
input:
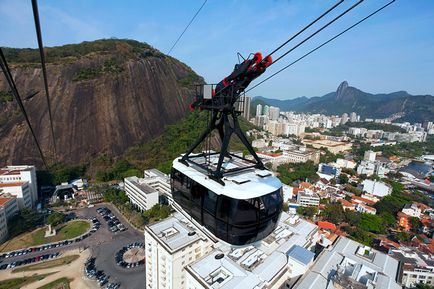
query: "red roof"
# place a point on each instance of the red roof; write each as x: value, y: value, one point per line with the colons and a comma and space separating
x: 305, y: 185
x: 326, y: 225
x: 4, y: 200
x: 345, y: 203
x: 363, y: 200
x: 270, y: 154
x: 15, y: 184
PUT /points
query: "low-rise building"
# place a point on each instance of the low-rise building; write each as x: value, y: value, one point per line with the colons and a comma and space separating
x: 285, y: 255
x: 328, y: 171
x: 21, y: 190
x: 345, y: 164
x: 416, y: 267
x: 362, y: 208
x: 308, y: 198
x: 10, y: 205
x: 302, y: 155
x: 403, y: 221
x: 21, y: 174
x: 349, y: 264
x: 412, y: 210
x: 333, y: 146
x: 376, y: 188
x: 141, y: 194
x: 158, y: 180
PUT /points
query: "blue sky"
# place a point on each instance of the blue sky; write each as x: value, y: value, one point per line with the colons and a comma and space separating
x: 392, y: 51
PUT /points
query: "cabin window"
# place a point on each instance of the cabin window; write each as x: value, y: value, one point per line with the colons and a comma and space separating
x: 244, y: 212
x: 210, y: 202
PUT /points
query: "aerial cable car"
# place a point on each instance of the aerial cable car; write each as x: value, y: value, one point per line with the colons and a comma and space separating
x: 235, y: 198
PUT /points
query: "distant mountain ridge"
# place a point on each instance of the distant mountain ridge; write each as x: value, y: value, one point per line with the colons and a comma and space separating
x: 416, y: 108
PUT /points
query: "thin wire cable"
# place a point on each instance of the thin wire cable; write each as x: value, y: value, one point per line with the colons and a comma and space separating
x: 309, y: 25
x: 188, y: 25
x: 44, y: 70
x: 318, y: 31
x: 323, y: 44
x: 310, y: 36
x: 5, y: 68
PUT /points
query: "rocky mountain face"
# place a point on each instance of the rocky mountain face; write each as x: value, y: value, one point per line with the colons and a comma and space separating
x: 415, y: 108
x: 106, y: 96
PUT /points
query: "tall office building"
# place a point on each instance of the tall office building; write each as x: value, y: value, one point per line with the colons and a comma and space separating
x: 274, y: 113
x: 266, y: 110
x: 344, y: 118
x: 243, y: 105
x: 353, y: 117
x: 259, y: 110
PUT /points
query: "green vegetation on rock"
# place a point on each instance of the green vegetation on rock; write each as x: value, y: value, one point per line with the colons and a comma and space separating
x: 109, y: 67
x: 71, y: 52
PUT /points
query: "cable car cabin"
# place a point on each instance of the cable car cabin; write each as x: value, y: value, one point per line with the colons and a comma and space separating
x: 243, y: 210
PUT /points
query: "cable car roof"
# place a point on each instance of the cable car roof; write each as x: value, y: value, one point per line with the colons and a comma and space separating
x: 244, y: 184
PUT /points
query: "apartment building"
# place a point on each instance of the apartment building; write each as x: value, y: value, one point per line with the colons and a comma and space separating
x: 141, y: 194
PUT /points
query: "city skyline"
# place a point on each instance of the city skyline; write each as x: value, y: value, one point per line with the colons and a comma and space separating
x: 373, y: 56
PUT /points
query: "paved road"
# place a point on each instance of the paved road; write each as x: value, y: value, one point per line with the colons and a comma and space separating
x: 104, y: 245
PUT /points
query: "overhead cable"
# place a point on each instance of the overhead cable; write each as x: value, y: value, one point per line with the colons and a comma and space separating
x: 44, y: 70
x: 323, y: 44
x: 185, y: 29
x: 306, y: 27
x: 4, y: 66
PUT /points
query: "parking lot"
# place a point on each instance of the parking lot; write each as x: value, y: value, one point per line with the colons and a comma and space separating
x: 104, y: 244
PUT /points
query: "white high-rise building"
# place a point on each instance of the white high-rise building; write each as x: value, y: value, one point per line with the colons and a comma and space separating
x: 353, y: 117
x: 274, y: 113
x: 266, y: 110
x: 259, y: 110
x: 244, y: 106
x: 344, y: 118
x: 17, y: 174
x: 171, y: 245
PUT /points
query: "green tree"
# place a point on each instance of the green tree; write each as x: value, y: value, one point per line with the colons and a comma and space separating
x: 308, y: 212
x: 423, y: 286
x: 403, y: 236
x: 343, y: 179
x: 371, y: 223
x: 25, y: 220
x: 360, y: 235
x: 333, y: 213
x: 351, y: 217
x: 56, y: 218
x: 416, y: 224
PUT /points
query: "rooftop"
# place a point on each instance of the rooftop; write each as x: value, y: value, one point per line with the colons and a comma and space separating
x: 142, y: 185
x: 176, y: 232
x: 350, y: 263
x: 5, y: 200
x: 301, y: 254
x: 245, y: 184
x: 14, y: 184
x: 258, y: 263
